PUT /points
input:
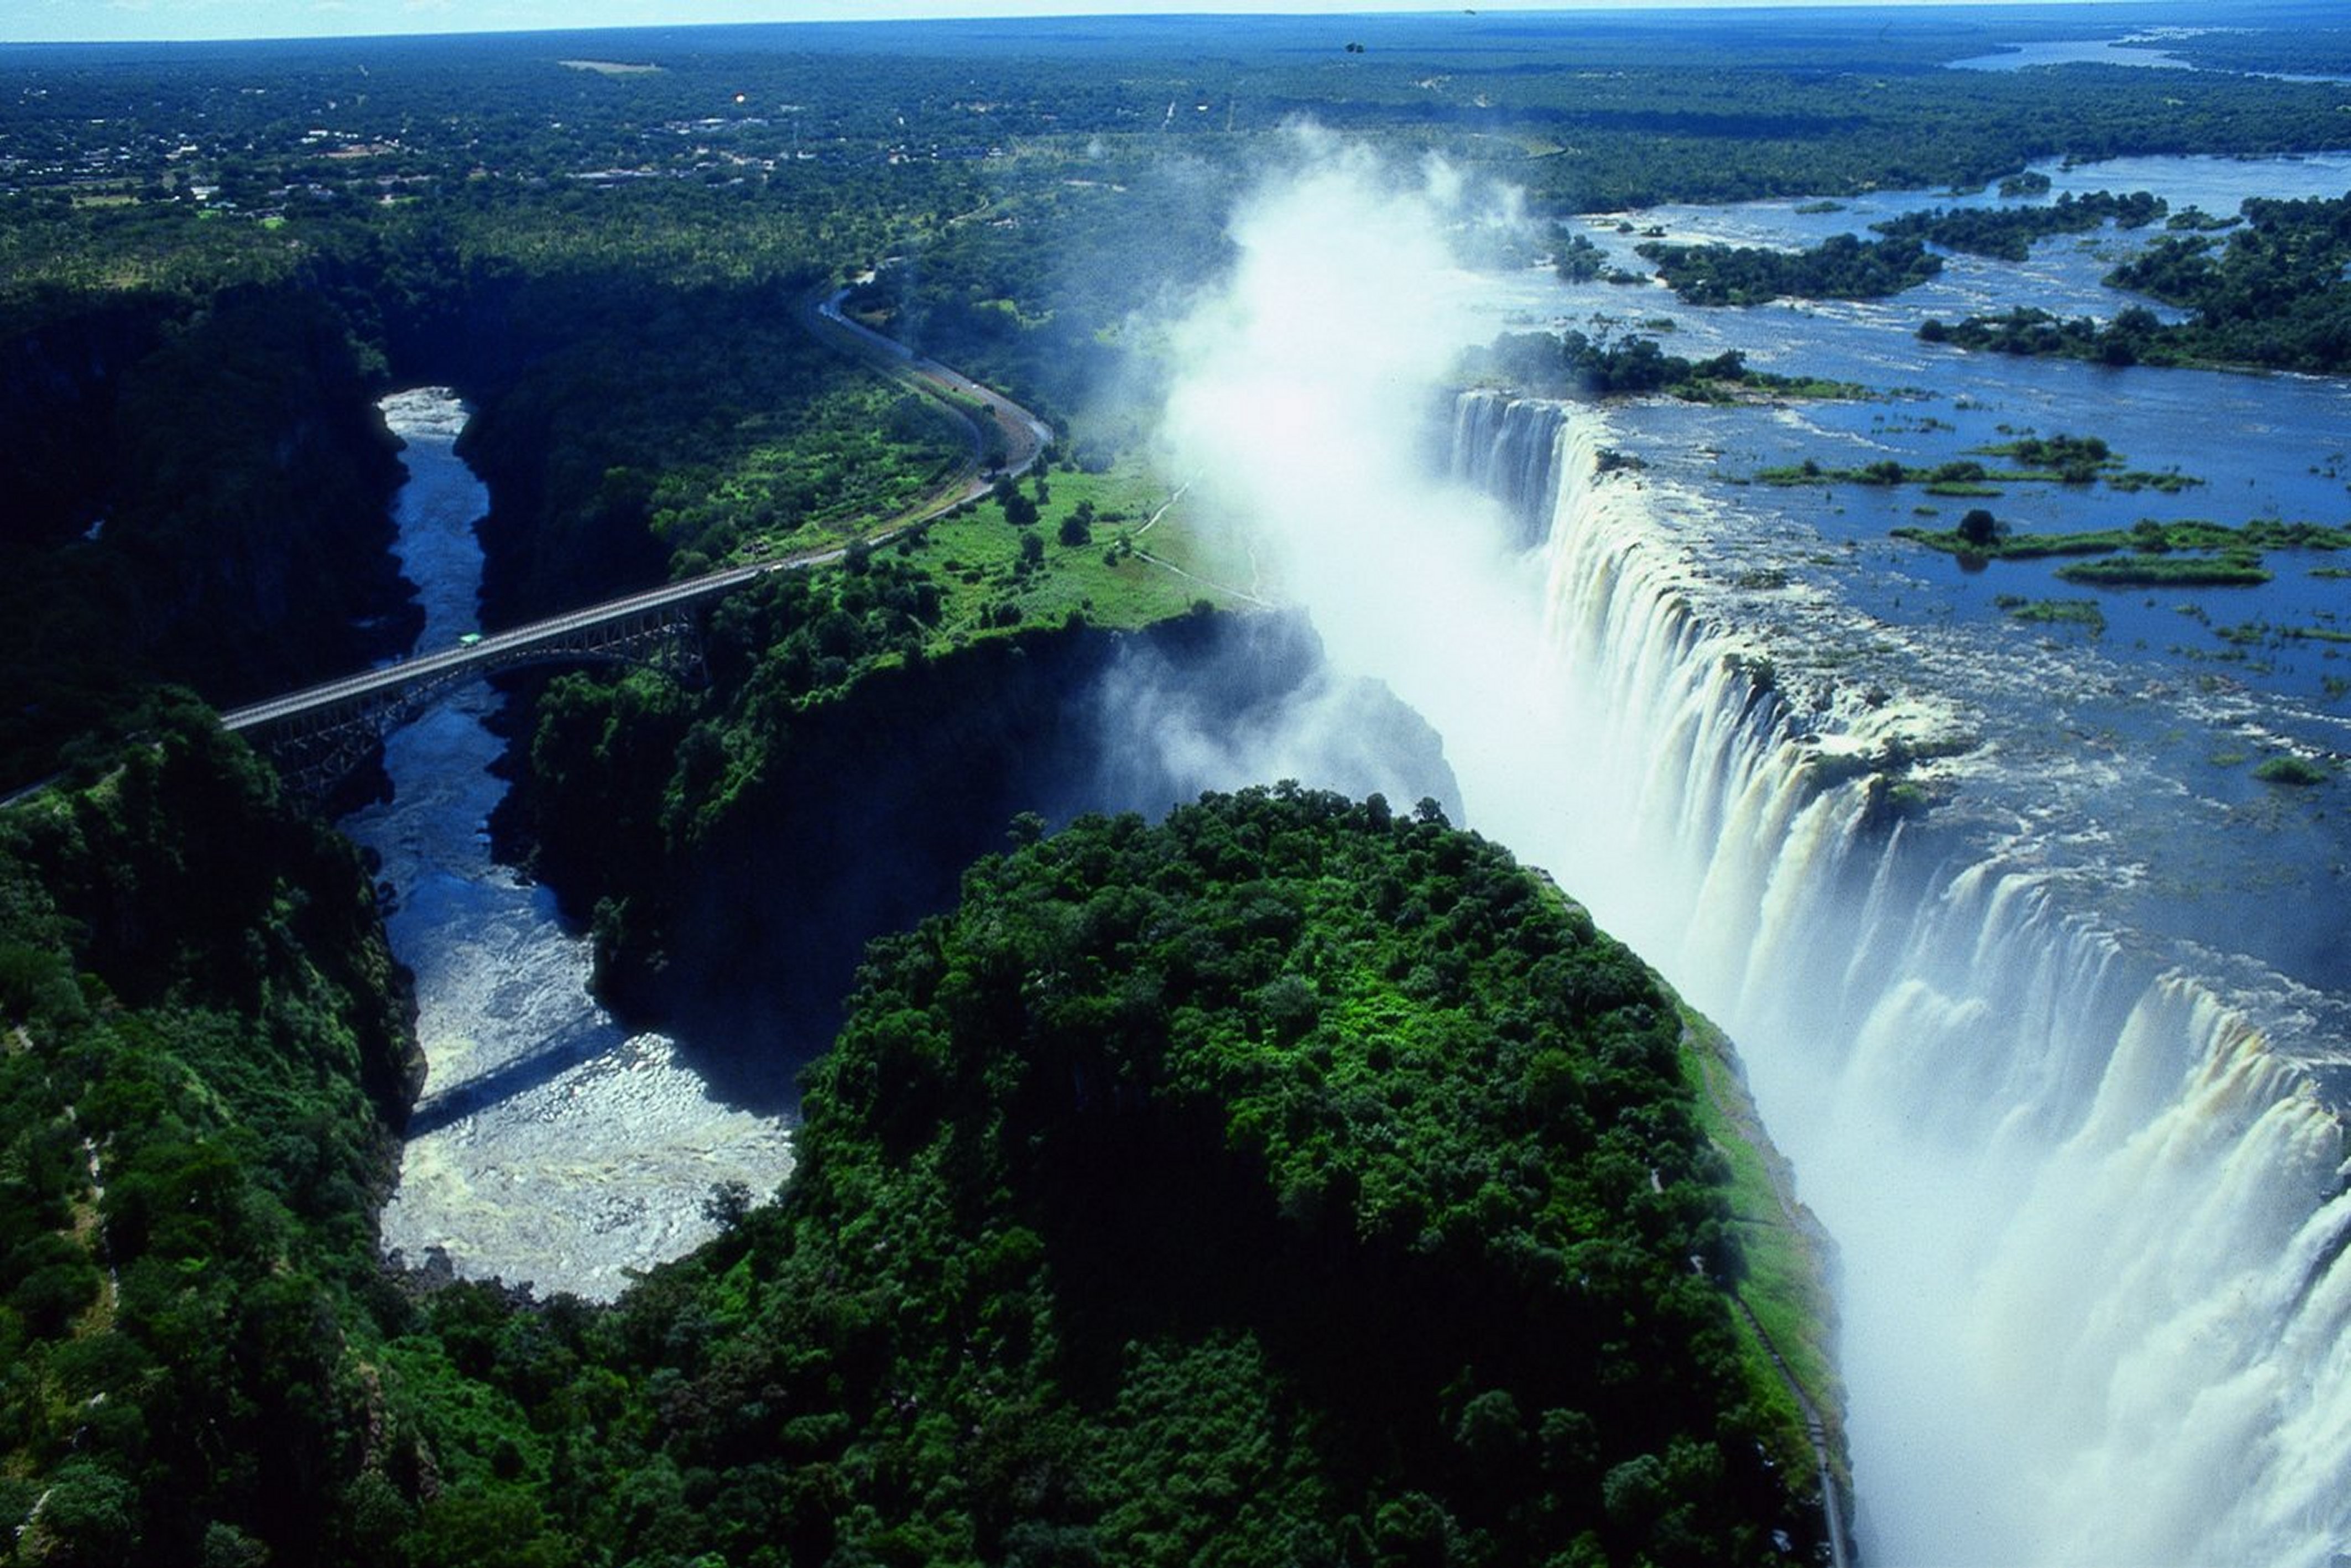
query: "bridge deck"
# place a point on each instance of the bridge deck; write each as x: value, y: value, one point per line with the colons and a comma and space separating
x: 497, y: 647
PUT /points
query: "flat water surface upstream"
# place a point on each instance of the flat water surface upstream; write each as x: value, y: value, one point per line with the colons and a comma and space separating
x: 2139, y: 719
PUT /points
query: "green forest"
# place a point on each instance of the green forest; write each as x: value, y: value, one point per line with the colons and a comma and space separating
x: 1293, y: 1182
x: 1297, y: 1181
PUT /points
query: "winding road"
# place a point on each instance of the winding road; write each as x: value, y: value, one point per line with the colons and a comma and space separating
x: 1020, y: 435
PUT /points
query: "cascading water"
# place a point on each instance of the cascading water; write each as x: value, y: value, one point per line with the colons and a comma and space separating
x: 1508, y: 447
x: 2091, y: 1213
x: 1997, y: 931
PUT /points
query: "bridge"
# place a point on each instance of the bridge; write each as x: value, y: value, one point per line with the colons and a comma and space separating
x: 319, y: 735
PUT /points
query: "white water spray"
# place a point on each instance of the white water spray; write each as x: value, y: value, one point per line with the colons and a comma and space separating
x: 2091, y: 1223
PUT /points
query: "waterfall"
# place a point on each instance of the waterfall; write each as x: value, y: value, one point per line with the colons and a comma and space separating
x: 2091, y: 1211
x: 1508, y: 447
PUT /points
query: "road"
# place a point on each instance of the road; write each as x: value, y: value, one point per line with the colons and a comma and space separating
x: 1022, y: 435
x: 1023, y: 438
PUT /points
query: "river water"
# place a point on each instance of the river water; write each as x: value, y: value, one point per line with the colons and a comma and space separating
x: 2058, y: 1032
x: 2142, y: 727
x: 550, y: 1146
x: 2061, y: 1060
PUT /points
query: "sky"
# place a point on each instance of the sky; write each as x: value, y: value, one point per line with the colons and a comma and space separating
x: 68, y: 21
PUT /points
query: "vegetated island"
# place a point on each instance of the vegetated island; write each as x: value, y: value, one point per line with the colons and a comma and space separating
x: 2040, y: 460
x: 2273, y: 296
x: 2006, y: 233
x: 2082, y: 612
x: 1842, y: 266
x: 1295, y: 1181
x: 2193, y: 553
x: 1573, y: 364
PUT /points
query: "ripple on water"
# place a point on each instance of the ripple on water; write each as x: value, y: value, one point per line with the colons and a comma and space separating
x: 551, y: 1145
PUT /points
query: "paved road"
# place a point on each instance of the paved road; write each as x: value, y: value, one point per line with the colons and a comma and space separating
x: 1023, y: 436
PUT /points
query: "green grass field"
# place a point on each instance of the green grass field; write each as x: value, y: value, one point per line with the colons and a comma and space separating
x: 1146, y: 558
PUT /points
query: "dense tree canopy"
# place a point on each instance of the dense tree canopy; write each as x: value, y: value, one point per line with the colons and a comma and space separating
x: 2272, y: 294
x: 1294, y: 1182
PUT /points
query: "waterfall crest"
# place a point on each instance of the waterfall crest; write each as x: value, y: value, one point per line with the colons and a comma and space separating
x: 2091, y: 1211
x: 1508, y: 448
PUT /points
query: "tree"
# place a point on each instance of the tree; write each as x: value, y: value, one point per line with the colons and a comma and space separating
x: 727, y: 1202
x: 1980, y: 529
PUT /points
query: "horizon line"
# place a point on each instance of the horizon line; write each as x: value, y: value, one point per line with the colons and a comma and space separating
x: 850, y: 13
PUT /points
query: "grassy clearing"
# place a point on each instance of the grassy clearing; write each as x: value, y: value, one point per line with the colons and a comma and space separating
x: 1128, y: 572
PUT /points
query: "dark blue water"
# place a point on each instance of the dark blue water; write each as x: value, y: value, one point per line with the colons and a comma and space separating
x: 2138, y: 738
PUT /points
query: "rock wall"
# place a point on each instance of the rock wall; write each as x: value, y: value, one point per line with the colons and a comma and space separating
x: 879, y: 801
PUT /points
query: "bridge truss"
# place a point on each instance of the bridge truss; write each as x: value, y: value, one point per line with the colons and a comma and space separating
x: 317, y: 738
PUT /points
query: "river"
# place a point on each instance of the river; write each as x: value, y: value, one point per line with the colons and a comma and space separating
x: 2042, y: 986
x: 551, y: 1145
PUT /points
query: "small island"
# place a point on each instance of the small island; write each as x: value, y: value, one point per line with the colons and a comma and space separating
x: 2193, y: 553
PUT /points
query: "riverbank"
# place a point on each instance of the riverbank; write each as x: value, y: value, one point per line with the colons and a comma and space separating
x: 551, y: 1145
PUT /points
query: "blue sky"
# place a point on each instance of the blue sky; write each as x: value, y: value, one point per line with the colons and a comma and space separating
x: 60, y: 21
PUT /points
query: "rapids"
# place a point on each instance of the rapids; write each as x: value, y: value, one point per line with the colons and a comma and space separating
x: 551, y: 1145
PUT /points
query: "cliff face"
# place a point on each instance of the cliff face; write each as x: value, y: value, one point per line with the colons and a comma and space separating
x: 255, y: 499
x: 865, y: 817
x: 60, y: 380
x: 207, y: 492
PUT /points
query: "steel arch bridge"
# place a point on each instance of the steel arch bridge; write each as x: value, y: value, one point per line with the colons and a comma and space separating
x: 319, y: 735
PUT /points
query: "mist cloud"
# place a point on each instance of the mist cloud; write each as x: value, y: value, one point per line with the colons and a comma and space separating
x: 1297, y: 410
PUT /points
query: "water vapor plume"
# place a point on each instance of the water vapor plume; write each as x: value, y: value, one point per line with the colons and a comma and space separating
x: 1259, y: 706
x: 1298, y: 412
x: 2096, y: 1290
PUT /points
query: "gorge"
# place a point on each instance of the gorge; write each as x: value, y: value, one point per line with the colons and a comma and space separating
x: 2084, y: 1175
